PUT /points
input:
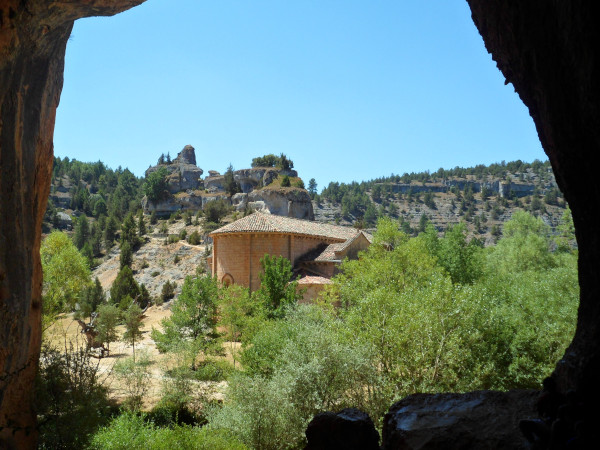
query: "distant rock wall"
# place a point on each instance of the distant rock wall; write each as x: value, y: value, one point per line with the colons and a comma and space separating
x: 504, y: 189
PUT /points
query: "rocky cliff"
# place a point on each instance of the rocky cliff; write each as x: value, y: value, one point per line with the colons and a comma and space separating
x: 190, y: 192
x: 183, y: 173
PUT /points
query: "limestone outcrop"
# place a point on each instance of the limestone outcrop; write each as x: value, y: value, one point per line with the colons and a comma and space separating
x: 182, y: 173
x: 257, y: 177
x: 182, y: 201
x: 290, y: 202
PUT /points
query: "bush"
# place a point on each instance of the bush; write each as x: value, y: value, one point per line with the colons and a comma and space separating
x: 213, y: 370
x: 71, y: 402
x: 194, y: 238
x: 132, y: 432
x: 215, y: 210
x: 135, y: 377
x: 168, y: 290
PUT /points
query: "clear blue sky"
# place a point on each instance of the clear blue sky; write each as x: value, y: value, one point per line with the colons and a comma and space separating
x: 349, y: 90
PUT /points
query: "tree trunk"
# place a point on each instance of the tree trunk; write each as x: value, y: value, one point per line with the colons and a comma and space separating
x: 33, y: 37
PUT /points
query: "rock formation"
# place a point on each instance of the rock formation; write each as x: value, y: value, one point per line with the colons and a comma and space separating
x: 289, y: 202
x: 192, y: 193
x: 33, y: 38
x: 349, y: 429
x: 549, y: 50
x: 475, y: 420
x: 182, y: 173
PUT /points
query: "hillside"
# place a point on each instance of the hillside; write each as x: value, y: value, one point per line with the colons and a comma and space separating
x: 483, y: 197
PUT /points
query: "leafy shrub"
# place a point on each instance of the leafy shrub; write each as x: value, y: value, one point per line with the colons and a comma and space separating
x: 132, y: 432
x: 135, y: 377
x: 295, y: 369
x: 213, y: 370
x: 70, y: 400
x: 168, y: 290
x: 194, y: 238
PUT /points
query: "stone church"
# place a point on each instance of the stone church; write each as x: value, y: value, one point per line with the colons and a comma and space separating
x: 314, y: 249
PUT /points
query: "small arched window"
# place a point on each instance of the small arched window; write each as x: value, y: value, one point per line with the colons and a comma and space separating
x: 227, y: 280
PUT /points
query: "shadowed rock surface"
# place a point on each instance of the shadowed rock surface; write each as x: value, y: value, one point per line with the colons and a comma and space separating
x: 475, y: 420
x: 349, y: 429
x: 550, y: 51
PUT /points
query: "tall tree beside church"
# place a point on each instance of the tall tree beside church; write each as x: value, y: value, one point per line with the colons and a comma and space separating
x: 231, y: 186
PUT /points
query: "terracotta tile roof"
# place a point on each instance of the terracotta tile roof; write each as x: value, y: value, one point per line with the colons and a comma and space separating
x: 314, y: 280
x: 259, y: 222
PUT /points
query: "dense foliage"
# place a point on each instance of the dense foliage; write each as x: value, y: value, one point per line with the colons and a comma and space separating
x: 424, y: 314
x: 271, y: 160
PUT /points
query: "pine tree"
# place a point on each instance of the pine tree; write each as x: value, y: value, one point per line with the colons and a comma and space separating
x: 82, y: 232
x: 141, y: 224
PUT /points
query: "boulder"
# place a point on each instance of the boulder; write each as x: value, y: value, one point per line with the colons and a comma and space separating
x: 290, y: 202
x: 64, y: 221
x: 349, y: 429
x: 474, y: 420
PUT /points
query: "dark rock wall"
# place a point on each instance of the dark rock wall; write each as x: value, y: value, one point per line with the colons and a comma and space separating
x: 550, y: 51
x: 33, y: 37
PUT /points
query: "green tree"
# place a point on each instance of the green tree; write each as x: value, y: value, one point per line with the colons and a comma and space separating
x: 141, y: 224
x: 168, y: 290
x: 96, y: 240
x: 82, y: 232
x: 92, y: 297
x: 110, y: 232
x: 132, y: 317
x: 215, y: 210
x: 312, y: 187
x: 229, y: 184
x: 460, y: 260
x: 428, y: 200
x: 126, y: 258
x: 155, y: 187
x: 124, y: 285
x: 66, y: 274
x: 193, y: 315
x: 100, y: 208
x: 566, y: 230
x: 129, y: 231
x: 524, y: 246
x: 106, y: 324
x: 285, y: 181
x: 276, y: 287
